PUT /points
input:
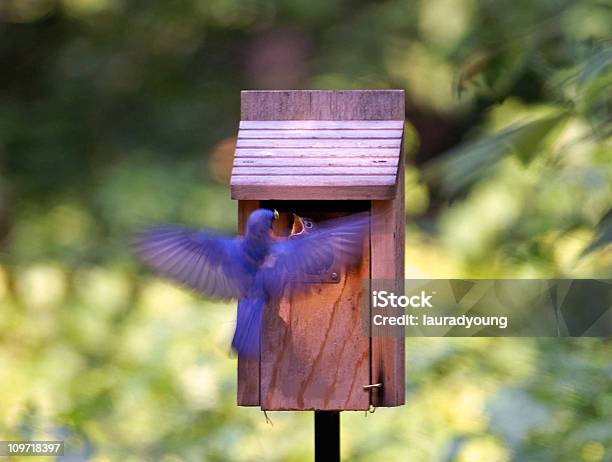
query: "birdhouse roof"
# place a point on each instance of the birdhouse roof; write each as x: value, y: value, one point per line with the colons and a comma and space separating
x: 317, y: 159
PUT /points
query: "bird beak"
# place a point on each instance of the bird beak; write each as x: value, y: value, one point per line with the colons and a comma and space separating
x: 276, y: 214
x: 298, y: 226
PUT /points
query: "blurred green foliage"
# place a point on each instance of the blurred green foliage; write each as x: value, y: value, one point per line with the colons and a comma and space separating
x: 114, y: 114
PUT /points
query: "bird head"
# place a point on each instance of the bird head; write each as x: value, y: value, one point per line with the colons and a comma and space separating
x: 301, y: 226
x: 260, y: 221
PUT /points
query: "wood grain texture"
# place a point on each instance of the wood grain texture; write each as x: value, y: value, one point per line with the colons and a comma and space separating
x: 322, y: 105
x: 319, y: 134
x: 316, y: 153
x: 316, y: 192
x: 356, y: 181
x: 388, y: 343
x: 316, y: 171
x: 313, y: 353
x: 320, y: 143
x: 248, y: 369
x: 322, y: 124
x: 336, y: 187
x: 315, y: 162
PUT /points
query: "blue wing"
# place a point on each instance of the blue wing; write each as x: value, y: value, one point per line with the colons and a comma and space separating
x: 211, y: 264
x: 247, y: 335
x: 340, y: 240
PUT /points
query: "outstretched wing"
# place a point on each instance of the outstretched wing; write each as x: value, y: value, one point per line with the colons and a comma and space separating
x: 211, y: 264
x: 338, y: 240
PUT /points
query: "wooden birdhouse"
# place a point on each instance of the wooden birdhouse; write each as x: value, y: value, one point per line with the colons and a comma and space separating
x: 324, y: 154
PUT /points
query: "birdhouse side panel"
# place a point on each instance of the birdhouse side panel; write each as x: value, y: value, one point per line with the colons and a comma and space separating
x: 248, y: 369
x: 388, y: 343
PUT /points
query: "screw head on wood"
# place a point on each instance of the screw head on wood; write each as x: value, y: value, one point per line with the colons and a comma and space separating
x: 334, y: 276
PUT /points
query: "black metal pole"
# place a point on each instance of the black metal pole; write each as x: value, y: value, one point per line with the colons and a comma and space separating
x: 327, y: 436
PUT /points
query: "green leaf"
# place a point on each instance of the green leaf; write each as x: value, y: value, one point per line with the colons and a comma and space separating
x: 527, y: 141
x: 593, y: 89
x: 595, y: 67
x: 604, y: 235
x: 461, y: 167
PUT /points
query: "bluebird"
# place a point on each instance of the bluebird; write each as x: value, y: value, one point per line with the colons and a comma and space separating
x: 302, y: 226
x: 255, y: 269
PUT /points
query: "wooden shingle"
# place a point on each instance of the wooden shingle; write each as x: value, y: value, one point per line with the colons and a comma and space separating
x: 317, y: 159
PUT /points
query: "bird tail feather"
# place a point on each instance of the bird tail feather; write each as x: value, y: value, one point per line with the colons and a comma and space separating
x: 246, y: 339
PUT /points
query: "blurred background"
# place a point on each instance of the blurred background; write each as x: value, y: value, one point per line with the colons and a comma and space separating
x: 114, y: 113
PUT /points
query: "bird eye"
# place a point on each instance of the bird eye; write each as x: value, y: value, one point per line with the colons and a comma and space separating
x: 308, y: 224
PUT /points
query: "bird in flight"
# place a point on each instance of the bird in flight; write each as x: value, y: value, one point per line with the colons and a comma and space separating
x: 254, y: 269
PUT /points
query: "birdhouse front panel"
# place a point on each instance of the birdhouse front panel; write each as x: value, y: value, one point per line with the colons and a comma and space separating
x: 313, y: 355
x: 324, y: 155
